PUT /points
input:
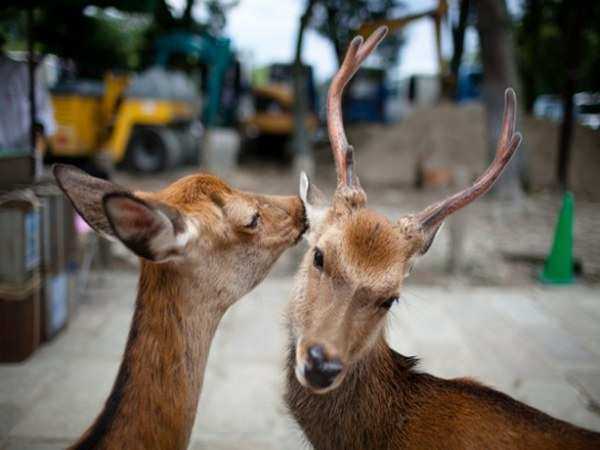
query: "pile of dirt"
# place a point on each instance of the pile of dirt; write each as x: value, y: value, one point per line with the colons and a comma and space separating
x: 453, y: 136
x: 441, y: 136
x: 542, y: 144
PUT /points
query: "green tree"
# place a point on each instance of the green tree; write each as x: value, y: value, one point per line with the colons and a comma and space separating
x: 558, y: 44
x: 96, y: 40
x: 542, y: 48
x: 104, y: 41
x: 338, y: 21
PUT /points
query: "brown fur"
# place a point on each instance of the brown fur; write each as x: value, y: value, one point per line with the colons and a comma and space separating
x: 379, y: 400
x: 369, y: 243
x: 385, y: 403
x: 346, y: 388
x: 153, y: 403
x: 208, y: 258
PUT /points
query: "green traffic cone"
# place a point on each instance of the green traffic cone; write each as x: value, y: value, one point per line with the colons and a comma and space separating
x: 558, y: 268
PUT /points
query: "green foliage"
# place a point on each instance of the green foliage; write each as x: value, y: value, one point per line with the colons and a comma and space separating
x: 96, y: 41
x: 542, y: 47
x: 339, y: 20
x: 12, y: 30
x: 105, y: 39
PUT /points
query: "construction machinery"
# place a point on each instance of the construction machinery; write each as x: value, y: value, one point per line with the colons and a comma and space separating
x: 150, y: 121
x: 142, y: 121
x: 219, y: 71
x: 273, y: 102
x: 437, y: 14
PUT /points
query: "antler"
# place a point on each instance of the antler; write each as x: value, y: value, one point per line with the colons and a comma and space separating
x: 357, y: 52
x: 509, y: 141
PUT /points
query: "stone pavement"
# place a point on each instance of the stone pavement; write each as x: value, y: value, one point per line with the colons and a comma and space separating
x: 540, y: 345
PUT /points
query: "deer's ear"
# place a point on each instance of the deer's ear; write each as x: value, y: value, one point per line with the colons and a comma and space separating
x: 85, y: 193
x: 410, y: 226
x: 429, y: 237
x: 315, y: 205
x: 152, y: 230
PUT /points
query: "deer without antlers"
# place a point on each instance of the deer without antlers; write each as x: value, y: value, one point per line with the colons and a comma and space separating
x: 346, y: 387
x: 203, y: 245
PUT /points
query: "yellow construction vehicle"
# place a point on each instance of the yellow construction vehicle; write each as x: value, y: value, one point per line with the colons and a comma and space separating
x: 128, y: 119
x: 273, y: 114
x: 273, y: 102
x: 151, y: 120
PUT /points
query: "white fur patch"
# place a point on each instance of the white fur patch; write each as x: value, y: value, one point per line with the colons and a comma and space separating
x: 304, y: 185
x: 133, y: 220
x: 314, y: 214
x: 166, y: 240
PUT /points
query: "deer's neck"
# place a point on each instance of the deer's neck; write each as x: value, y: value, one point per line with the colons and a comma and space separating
x: 154, y: 399
x: 384, y: 404
x: 354, y: 416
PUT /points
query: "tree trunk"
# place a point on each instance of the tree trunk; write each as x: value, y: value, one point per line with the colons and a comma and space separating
x: 187, y: 13
x: 303, y: 155
x: 458, y: 39
x: 532, y: 25
x: 332, y: 25
x: 499, y: 66
x: 572, y: 31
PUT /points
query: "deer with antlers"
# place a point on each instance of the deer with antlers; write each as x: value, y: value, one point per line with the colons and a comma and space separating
x: 203, y: 245
x: 346, y: 388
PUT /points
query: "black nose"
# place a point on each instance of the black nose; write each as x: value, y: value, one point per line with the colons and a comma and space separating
x: 320, y: 371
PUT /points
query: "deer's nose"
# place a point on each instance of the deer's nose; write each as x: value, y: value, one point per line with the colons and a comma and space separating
x: 319, y: 370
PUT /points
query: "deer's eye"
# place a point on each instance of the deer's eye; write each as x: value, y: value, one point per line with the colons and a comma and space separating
x: 389, y: 302
x: 254, y: 222
x: 318, y: 259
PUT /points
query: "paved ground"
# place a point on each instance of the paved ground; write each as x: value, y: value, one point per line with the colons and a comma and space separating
x: 540, y: 345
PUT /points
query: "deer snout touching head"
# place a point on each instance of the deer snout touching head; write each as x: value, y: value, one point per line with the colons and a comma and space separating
x: 202, y: 245
x: 199, y: 225
x: 287, y: 213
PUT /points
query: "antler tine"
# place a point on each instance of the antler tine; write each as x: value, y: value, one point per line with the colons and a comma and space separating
x: 508, y: 143
x: 357, y: 52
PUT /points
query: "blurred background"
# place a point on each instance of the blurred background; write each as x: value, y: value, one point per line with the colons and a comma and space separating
x: 144, y: 92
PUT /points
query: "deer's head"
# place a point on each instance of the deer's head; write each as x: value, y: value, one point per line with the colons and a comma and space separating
x: 358, y: 259
x: 199, y: 225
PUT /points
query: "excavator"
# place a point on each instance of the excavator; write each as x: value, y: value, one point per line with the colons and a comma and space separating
x: 437, y: 14
x: 149, y: 121
x: 273, y: 96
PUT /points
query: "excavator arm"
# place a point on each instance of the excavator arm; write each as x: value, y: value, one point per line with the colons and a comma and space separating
x: 437, y: 14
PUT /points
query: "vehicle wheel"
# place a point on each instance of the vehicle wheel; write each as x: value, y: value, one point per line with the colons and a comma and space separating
x: 152, y: 150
